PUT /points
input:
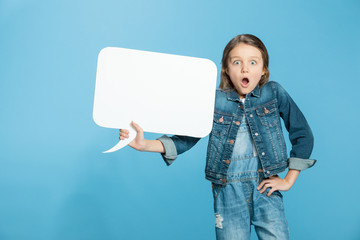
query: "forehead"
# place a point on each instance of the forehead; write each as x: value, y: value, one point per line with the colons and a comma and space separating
x: 243, y: 50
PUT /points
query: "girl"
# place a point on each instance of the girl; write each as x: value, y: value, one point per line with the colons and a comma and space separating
x: 246, y: 147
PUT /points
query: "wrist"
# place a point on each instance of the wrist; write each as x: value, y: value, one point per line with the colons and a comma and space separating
x: 145, y: 147
x: 288, y: 182
x: 291, y: 177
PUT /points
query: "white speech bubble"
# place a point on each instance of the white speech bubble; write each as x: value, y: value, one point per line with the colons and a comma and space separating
x: 163, y: 93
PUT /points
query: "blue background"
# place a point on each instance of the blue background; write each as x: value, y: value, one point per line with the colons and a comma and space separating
x: 56, y: 184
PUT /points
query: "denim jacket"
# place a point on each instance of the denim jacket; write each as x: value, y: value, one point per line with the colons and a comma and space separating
x: 263, y: 108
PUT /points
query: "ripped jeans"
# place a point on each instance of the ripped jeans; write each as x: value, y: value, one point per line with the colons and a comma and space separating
x: 238, y: 205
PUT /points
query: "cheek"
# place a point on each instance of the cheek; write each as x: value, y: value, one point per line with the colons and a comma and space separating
x: 231, y: 73
x: 259, y: 72
x: 257, y: 76
x: 234, y: 77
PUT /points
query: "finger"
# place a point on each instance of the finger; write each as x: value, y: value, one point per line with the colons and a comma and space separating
x: 137, y: 127
x: 124, y: 131
x: 266, y: 186
x: 271, y: 191
x: 124, y: 135
x: 262, y: 184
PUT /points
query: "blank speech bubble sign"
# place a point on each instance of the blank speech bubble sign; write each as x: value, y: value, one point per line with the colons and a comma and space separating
x: 163, y: 93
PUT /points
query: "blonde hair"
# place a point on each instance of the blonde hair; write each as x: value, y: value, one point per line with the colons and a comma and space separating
x: 225, y: 82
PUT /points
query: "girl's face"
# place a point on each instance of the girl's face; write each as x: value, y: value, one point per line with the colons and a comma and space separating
x: 245, y: 68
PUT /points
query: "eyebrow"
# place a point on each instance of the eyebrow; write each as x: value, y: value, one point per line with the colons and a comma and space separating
x: 249, y: 57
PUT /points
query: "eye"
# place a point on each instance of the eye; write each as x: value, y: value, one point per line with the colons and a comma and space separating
x: 253, y: 62
x: 237, y: 62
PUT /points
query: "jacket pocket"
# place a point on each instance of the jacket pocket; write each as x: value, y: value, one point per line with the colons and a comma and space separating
x: 218, y: 135
x: 268, y: 115
x: 221, y: 124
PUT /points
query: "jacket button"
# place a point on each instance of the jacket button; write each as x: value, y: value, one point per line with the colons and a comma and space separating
x: 251, y: 115
x: 256, y: 134
x: 223, y: 180
x: 226, y: 161
x: 231, y: 141
x: 263, y: 153
x: 221, y: 119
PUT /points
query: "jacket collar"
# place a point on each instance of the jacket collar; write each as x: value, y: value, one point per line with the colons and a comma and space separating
x: 232, y: 94
x: 256, y: 91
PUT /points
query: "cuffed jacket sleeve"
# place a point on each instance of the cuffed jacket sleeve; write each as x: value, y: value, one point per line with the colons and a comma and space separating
x: 300, y: 134
x: 175, y: 145
x: 300, y: 163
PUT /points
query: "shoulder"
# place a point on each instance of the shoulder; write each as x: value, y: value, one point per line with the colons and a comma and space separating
x: 221, y: 93
x: 222, y: 102
x: 272, y: 84
x: 224, y: 91
x: 274, y: 87
x: 282, y: 96
x: 273, y: 91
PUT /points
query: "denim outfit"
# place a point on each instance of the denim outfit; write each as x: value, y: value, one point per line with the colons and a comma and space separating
x: 263, y: 108
x: 239, y: 204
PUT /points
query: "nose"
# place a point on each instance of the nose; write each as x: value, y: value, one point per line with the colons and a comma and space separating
x: 244, y: 68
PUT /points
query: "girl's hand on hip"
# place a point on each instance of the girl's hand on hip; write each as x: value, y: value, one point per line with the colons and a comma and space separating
x: 274, y: 183
x: 139, y: 142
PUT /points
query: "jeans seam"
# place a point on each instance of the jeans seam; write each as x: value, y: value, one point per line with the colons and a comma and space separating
x: 250, y: 202
x: 217, y: 194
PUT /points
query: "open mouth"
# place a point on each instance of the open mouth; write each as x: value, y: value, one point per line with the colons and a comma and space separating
x: 245, y: 82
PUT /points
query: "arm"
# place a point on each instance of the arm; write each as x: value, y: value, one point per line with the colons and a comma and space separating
x: 300, y: 134
x: 301, y: 139
x: 176, y: 145
x: 277, y: 183
x: 169, y: 147
x: 140, y: 143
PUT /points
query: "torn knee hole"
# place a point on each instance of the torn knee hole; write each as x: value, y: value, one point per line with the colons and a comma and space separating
x: 218, y: 221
